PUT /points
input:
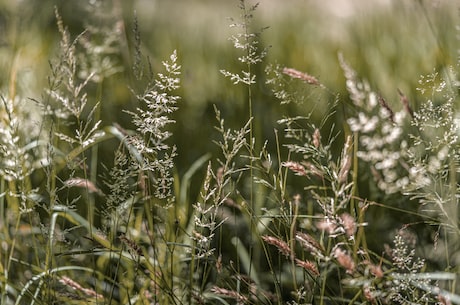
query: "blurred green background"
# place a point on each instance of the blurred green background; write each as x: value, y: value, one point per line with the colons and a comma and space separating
x: 389, y: 42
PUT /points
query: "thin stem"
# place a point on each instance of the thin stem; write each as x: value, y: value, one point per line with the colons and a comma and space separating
x: 323, y: 284
x: 292, y: 232
x: 254, y: 209
x: 94, y: 155
x: 5, y: 231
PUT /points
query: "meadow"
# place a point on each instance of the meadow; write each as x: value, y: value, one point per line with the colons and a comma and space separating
x: 229, y: 152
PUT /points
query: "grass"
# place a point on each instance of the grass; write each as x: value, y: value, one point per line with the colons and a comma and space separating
x: 354, y: 201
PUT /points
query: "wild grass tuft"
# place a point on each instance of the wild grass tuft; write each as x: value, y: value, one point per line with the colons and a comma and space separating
x: 360, y: 207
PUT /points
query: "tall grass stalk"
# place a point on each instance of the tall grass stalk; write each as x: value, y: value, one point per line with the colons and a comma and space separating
x: 248, y: 41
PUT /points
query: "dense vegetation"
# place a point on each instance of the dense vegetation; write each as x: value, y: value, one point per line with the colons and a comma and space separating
x: 159, y: 153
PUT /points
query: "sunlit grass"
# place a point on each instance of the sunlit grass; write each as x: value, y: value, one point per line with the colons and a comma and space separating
x: 321, y: 167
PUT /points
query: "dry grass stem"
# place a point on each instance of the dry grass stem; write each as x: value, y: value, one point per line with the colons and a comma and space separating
x: 307, y: 265
x: 75, y: 286
x: 230, y: 294
x: 301, y: 75
x: 345, y: 260
x: 282, y: 246
x: 406, y: 104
